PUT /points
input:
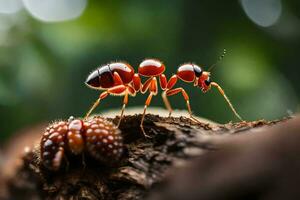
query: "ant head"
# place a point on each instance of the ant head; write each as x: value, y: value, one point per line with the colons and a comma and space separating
x: 203, y: 82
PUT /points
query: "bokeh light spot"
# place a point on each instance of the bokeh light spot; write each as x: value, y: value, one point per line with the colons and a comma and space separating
x: 245, y: 67
x: 264, y: 13
x: 55, y: 10
x: 10, y: 6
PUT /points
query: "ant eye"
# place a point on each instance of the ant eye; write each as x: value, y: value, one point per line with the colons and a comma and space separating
x: 198, y: 71
x: 207, y: 82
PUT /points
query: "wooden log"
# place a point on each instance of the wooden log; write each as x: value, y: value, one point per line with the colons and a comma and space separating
x: 177, y: 146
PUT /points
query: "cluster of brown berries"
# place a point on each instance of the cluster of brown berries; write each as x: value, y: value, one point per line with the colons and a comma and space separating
x: 96, y: 136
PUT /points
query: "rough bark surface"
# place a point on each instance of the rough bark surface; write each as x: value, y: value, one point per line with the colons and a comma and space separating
x: 148, y: 163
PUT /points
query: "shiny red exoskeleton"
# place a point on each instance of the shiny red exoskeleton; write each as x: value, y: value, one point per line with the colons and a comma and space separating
x: 116, y: 79
x: 97, y: 137
x: 151, y: 68
x: 120, y: 79
x: 192, y: 73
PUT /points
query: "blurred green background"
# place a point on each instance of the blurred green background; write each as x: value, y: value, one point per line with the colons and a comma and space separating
x: 48, y: 47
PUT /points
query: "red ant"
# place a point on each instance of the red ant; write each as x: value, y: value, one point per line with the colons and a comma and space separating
x: 119, y: 79
x: 192, y: 73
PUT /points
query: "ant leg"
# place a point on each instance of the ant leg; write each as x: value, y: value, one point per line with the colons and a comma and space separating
x: 167, y: 102
x: 170, y: 84
x: 117, y: 90
x: 186, y: 98
x: 152, y: 86
x: 146, y: 85
x: 117, y: 79
x: 97, y: 102
x: 136, y: 82
x: 227, y: 100
x: 131, y: 91
x: 163, y: 81
x: 147, y: 103
x: 125, y: 101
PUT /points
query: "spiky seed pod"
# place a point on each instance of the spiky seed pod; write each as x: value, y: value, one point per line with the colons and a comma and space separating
x: 98, y: 137
x: 53, y: 145
x: 74, y: 138
x: 104, y: 141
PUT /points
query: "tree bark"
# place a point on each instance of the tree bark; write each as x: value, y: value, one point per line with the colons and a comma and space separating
x: 181, y: 160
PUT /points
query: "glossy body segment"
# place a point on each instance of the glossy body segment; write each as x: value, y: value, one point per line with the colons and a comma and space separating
x: 151, y: 67
x: 198, y: 71
x: 125, y: 71
x: 186, y: 73
x: 105, y: 77
x: 93, y: 79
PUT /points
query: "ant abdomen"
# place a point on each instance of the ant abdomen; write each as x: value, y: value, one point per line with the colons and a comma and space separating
x: 103, y: 77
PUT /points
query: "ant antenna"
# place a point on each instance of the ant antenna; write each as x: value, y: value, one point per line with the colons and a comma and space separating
x: 220, y: 58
